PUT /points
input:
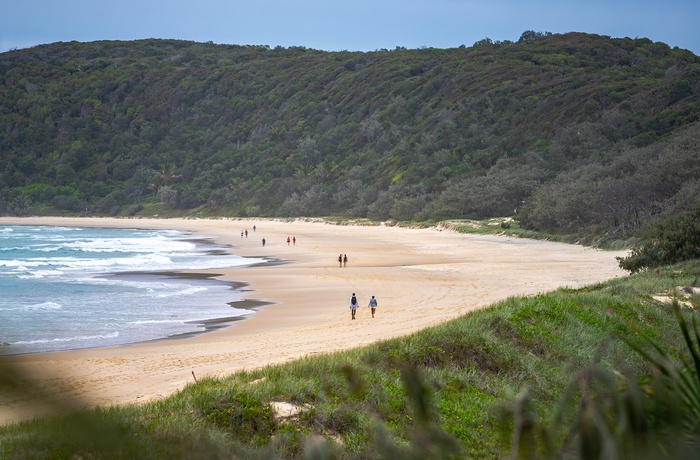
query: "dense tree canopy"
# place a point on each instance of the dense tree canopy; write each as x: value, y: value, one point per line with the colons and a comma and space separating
x: 572, y: 131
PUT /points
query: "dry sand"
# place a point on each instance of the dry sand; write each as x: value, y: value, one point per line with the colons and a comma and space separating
x: 420, y: 277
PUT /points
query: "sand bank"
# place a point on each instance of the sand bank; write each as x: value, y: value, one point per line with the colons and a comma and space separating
x: 420, y: 278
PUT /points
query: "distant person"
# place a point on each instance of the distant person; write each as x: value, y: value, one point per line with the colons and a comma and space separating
x: 373, y: 305
x: 294, y: 241
x: 246, y: 233
x: 253, y: 227
x: 340, y: 261
x: 263, y: 241
x: 288, y: 241
x: 353, y: 305
x: 241, y: 233
x: 345, y: 260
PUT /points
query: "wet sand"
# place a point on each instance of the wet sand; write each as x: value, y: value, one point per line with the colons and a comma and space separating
x: 420, y: 277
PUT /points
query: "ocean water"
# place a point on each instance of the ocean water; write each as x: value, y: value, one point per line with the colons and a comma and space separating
x: 69, y: 288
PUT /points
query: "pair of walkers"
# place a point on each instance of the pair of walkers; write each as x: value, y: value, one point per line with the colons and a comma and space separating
x: 354, y: 302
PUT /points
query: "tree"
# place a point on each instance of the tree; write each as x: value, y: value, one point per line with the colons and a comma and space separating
x: 307, y: 151
x: 484, y: 42
x: 530, y: 35
x: 167, y: 195
x: 164, y: 177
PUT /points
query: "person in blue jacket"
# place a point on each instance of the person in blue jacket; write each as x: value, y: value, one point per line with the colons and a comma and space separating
x: 373, y: 305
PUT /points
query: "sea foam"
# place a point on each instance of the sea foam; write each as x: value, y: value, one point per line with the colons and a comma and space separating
x: 66, y: 288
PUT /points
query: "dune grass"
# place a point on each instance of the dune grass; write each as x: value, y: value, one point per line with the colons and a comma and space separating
x: 451, y: 391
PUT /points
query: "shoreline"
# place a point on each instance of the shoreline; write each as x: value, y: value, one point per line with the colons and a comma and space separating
x: 204, y: 324
x: 209, y: 324
x: 421, y: 278
x: 199, y: 324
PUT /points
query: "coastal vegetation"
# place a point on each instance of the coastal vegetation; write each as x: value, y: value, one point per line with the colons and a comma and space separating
x: 574, y: 133
x: 575, y: 137
x: 496, y: 383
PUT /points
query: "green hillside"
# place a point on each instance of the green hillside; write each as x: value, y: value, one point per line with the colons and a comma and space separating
x: 574, y: 132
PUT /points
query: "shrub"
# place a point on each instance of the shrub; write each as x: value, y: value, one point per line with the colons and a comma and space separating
x: 244, y: 416
x: 675, y: 241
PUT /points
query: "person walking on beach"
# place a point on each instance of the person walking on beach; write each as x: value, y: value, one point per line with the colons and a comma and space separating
x: 246, y: 233
x: 340, y: 261
x: 353, y: 305
x: 345, y: 260
x: 288, y: 241
x: 263, y: 241
x: 373, y: 305
x: 294, y: 240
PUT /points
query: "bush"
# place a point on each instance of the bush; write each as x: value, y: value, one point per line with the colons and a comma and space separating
x: 67, y: 203
x: 675, y: 241
x: 245, y: 416
x: 14, y: 203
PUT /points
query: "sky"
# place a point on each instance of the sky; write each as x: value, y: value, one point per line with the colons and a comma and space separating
x: 336, y: 25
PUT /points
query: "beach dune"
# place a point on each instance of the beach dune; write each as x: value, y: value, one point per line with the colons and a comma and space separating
x: 420, y: 277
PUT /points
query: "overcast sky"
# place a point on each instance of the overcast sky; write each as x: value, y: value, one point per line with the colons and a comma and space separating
x: 333, y: 25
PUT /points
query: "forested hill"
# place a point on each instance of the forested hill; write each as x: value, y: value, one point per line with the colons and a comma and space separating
x: 573, y: 131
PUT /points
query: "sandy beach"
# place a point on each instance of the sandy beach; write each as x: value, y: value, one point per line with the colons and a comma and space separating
x: 420, y: 277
